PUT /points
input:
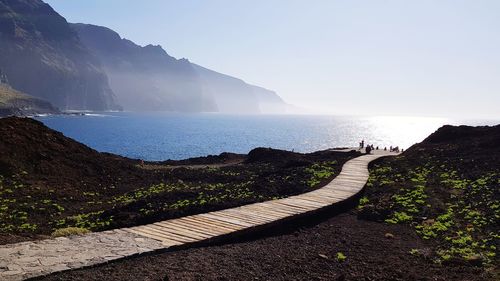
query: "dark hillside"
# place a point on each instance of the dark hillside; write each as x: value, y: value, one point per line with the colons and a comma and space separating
x: 15, y: 103
x: 448, y: 189
x: 431, y: 213
x: 29, y: 146
x: 49, y: 181
x: 465, y: 135
x: 462, y: 140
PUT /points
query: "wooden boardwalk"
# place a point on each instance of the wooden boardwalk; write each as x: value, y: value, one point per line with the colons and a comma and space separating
x: 198, y: 228
x: 29, y: 259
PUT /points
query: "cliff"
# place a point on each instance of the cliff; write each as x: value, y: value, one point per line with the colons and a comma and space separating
x: 147, y: 78
x: 44, y: 57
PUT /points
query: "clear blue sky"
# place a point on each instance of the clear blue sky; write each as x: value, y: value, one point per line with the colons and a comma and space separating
x: 386, y: 57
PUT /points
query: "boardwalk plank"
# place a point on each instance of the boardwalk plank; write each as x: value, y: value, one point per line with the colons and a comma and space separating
x: 152, y: 233
x: 197, y: 227
x: 213, y: 223
x: 188, y: 231
x: 215, y: 216
x: 166, y: 234
x: 245, y: 216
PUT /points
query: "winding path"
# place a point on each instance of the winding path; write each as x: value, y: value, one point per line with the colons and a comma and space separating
x: 37, y: 258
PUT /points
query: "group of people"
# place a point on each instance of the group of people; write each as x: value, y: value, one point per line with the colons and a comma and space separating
x: 369, y: 148
x: 395, y: 149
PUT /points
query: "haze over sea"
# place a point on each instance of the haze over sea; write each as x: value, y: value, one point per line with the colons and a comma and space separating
x: 162, y: 136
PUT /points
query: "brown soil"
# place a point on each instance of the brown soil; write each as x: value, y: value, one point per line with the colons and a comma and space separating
x: 308, y: 253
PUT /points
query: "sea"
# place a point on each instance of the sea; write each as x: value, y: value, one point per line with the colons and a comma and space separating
x: 161, y: 136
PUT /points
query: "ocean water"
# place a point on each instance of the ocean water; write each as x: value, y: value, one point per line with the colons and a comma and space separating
x: 161, y: 136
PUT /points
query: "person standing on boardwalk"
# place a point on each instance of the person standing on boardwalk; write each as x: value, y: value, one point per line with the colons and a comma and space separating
x: 368, y: 149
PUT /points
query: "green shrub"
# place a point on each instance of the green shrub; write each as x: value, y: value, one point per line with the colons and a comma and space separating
x: 69, y: 231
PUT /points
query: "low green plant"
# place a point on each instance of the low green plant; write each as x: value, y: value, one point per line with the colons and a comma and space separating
x: 69, y: 231
x: 319, y: 172
x: 399, y: 217
x: 362, y: 202
x: 414, y: 252
x: 341, y: 257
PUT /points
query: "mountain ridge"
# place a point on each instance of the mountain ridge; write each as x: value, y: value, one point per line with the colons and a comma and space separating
x: 90, y: 67
x: 129, y: 64
x: 144, y: 78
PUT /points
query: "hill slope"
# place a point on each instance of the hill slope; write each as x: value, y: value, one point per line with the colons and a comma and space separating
x: 429, y: 214
x: 447, y: 189
x: 16, y: 103
x: 49, y: 181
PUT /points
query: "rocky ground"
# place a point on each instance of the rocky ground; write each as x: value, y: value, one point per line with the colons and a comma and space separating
x: 447, y: 189
x: 50, y: 182
x: 429, y: 214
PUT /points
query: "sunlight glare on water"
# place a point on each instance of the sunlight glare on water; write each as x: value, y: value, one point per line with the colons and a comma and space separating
x: 402, y: 131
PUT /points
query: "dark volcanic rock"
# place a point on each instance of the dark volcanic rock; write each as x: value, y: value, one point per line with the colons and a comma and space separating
x: 262, y: 154
x: 280, y: 157
x: 28, y: 145
x: 223, y: 158
x: 448, y: 133
x: 44, y: 57
x: 469, y: 142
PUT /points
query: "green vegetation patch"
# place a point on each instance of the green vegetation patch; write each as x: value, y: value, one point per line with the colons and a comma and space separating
x: 457, y: 209
x: 341, y: 257
x: 105, y: 197
x: 69, y: 231
x: 320, y: 172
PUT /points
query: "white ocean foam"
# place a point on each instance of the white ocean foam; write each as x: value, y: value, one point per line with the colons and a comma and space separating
x: 97, y: 115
